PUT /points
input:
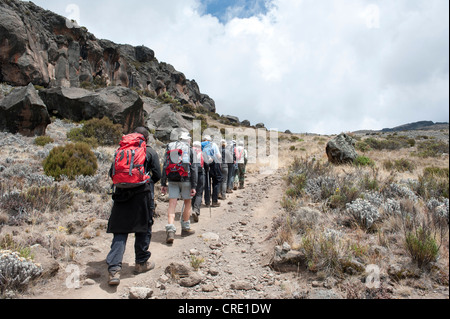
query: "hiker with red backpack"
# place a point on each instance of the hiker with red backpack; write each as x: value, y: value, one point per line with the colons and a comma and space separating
x: 179, y: 179
x: 135, y: 171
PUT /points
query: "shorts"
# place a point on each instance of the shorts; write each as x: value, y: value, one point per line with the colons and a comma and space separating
x: 180, y: 188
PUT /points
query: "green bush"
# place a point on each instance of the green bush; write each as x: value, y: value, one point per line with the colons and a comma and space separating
x: 400, y: 165
x: 97, y: 132
x: 421, y: 246
x: 364, y: 161
x: 432, y: 148
x: 392, y: 142
x: 70, y: 160
x: 43, y: 140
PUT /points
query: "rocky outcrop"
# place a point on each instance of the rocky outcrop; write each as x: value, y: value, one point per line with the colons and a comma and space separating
x: 121, y: 105
x: 164, y: 121
x: 40, y: 47
x: 22, y: 111
x: 341, y: 149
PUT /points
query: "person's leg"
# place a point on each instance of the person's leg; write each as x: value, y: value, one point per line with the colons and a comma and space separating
x: 217, y: 178
x: 185, y: 219
x: 141, y: 246
x: 197, y: 200
x: 230, y: 177
x: 115, y: 257
x: 143, y: 240
x: 207, y: 188
x: 224, y: 183
x: 174, y: 193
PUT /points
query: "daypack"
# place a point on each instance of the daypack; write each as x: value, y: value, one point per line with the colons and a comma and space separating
x: 199, y: 157
x: 208, y: 153
x: 129, y: 160
x: 178, y: 161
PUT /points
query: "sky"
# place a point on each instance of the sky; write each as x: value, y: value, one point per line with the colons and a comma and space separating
x: 325, y: 67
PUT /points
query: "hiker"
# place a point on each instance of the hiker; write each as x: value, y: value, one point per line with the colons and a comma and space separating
x: 197, y: 199
x: 241, y: 158
x: 132, y: 212
x: 213, y: 158
x: 224, y: 171
x: 231, y: 161
x: 182, y: 176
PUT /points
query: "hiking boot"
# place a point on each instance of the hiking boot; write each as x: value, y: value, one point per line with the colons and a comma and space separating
x: 229, y: 191
x: 114, y: 278
x: 195, y: 216
x: 215, y: 204
x: 187, y: 232
x: 170, y: 237
x: 141, y: 268
x: 220, y: 196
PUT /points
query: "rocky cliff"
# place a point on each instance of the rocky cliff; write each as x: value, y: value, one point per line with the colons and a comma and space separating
x: 40, y: 47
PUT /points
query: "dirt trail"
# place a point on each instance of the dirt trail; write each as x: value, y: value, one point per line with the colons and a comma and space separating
x: 238, y: 258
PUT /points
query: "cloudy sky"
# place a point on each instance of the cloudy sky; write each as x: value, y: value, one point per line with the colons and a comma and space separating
x: 327, y: 66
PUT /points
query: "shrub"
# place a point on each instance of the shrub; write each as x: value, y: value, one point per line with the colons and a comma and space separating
x: 52, y: 198
x: 432, y: 185
x: 104, y: 130
x: 189, y: 109
x: 321, y: 188
x: 71, y: 160
x: 324, y: 252
x: 400, y: 165
x: 432, y: 148
x: 77, y: 135
x: 97, y: 132
x: 43, y: 140
x: 422, y: 246
x: 392, y: 142
x: 363, y: 161
x: 16, y: 272
x: 363, y: 213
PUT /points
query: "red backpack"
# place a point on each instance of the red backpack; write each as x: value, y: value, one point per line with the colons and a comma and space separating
x: 177, y: 161
x: 129, y: 162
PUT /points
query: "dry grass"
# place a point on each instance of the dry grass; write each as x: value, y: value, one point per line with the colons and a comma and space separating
x: 392, y: 236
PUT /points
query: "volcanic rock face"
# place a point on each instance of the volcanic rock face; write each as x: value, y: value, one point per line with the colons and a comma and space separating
x: 43, y: 48
x: 121, y: 105
x: 22, y: 111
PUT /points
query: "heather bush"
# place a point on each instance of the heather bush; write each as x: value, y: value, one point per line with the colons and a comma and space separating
x: 43, y: 140
x: 363, y: 161
x: 70, y: 160
x: 97, y: 132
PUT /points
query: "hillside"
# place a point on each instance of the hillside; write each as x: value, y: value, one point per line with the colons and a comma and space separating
x: 373, y: 228
x: 47, y: 50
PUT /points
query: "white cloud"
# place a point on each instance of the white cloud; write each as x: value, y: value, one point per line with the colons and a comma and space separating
x: 308, y: 66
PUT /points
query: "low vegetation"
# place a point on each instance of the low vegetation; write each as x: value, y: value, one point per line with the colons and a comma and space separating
x: 373, y: 212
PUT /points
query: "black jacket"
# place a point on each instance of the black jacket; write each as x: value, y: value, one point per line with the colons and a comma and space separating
x: 133, y: 209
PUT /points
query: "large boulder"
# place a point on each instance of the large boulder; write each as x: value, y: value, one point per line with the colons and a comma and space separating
x: 22, y: 111
x: 341, y: 149
x: 121, y: 105
x: 164, y: 121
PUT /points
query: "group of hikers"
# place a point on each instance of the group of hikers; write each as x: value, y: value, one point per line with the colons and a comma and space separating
x: 200, y: 173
